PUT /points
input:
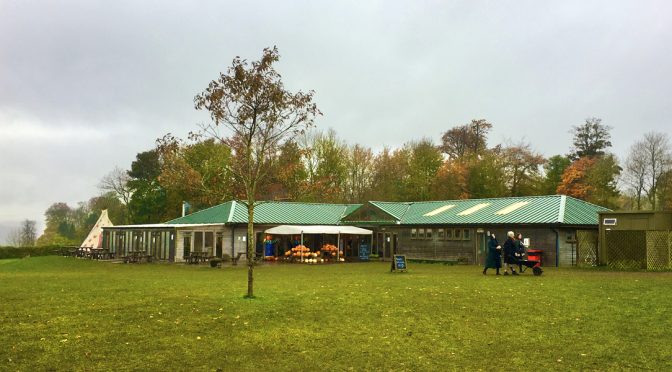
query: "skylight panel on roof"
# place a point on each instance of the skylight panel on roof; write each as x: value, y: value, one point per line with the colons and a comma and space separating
x: 512, y: 208
x: 439, y: 210
x: 473, y: 209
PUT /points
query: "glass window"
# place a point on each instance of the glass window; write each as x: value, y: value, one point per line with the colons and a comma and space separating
x: 414, y: 233
x: 449, y: 234
x: 458, y: 234
x: 466, y: 234
x: 137, y: 241
x: 187, y: 245
x: 428, y: 233
x: 209, y: 242
x: 440, y: 234
x: 198, y: 241
x: 421, y: 233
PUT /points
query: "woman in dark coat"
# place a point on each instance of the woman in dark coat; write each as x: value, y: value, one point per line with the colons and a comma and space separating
x: 494, y: 259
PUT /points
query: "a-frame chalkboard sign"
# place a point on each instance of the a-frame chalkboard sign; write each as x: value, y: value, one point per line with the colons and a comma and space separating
x: 399, y: 263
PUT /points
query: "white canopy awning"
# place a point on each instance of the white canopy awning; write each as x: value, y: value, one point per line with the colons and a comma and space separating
x: 317, y: 229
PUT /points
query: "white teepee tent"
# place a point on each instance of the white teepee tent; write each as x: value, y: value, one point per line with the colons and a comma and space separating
x: 95, y: 237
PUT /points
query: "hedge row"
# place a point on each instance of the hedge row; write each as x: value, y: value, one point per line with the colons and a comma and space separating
x: 20, y: 252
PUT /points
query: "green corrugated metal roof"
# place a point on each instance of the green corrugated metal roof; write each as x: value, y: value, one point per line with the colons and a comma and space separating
x: 217, y: 214
x: 555, y: 209
x: 578, y: 212
x: 351, y: 208
x: 272, y: 212
x: 396, y: 210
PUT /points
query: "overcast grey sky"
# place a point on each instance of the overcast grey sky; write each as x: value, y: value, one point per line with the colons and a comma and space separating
x: 86, y: 85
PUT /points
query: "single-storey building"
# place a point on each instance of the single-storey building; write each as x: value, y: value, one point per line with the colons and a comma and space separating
x: 636, y: 240
x: 458, y: 229
x: 222, y: 230
x: 436, y: 230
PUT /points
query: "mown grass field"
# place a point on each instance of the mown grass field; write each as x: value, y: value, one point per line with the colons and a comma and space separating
x: 71, y: 314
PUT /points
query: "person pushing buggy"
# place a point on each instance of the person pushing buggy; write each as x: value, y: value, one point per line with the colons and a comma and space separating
x: 522, y: 260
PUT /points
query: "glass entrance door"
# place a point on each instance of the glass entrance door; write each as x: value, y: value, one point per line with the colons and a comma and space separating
x: 389, y: 246
x: 219, y: 244
x: 380, y: 245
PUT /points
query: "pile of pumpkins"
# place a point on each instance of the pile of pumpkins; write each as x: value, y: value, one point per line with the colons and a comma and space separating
x: 331, y: 250
x: 303, y: 252
x: 298, y: 251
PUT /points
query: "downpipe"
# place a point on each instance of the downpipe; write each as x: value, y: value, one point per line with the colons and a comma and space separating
x: 557, y: 247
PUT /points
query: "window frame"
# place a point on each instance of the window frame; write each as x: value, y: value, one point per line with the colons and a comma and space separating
x: 466, y: 234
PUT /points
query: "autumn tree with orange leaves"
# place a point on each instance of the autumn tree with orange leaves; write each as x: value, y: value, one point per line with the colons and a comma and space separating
x: 574, y: 179
x: 592, y: 179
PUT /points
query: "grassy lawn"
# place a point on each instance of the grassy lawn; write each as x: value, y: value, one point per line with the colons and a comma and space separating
x: 70, y: 314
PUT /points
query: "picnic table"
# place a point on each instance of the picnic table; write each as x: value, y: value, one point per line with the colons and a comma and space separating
x: 83, y: 252
x: 100, y: 254
x: 137, y: 257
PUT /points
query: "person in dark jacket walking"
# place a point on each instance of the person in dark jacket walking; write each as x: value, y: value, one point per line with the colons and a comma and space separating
x: 510, y: 254
x: 494, y: 259
x: 520, y: 251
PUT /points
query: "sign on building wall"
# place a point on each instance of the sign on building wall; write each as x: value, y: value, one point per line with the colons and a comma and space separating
x: 609, y: 221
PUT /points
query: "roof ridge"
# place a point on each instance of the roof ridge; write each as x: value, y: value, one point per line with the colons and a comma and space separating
x: 309, y: 203
x: 398, y: 218
x: 585, y: 202
x: 468, y: 199
x: 231, y: 211
x: 406, y: 211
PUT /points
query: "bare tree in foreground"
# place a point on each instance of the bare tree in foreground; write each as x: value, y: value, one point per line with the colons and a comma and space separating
x: 252, y: 103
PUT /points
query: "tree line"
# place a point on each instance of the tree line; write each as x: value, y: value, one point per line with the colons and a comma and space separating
x: 267, y: 153
x: 318, y: 166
